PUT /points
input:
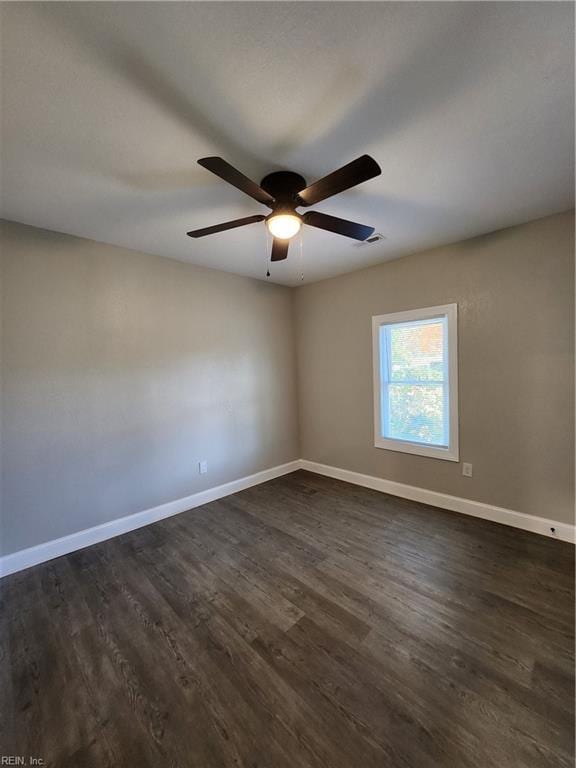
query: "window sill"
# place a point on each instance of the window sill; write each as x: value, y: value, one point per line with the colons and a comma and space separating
x: 431, y: 451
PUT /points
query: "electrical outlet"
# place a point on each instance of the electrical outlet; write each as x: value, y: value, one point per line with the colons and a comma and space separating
x: 202, y: 467
x: 467, y: 469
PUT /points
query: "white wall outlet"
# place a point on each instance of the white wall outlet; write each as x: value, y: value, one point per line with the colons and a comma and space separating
x: 467, y: 470
x: 202, y: 467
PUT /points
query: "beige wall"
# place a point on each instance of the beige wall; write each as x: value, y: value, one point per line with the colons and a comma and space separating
x: 120, y: 371
x: 515, y: 294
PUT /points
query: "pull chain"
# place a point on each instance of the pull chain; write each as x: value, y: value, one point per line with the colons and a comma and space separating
x: 301, y: 257
x: 267, y: 251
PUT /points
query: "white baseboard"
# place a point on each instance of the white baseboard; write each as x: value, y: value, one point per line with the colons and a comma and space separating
x: 25, y: 558
x: 541, y: 525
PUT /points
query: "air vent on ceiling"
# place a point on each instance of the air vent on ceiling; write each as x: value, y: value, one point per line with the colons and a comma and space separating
x: 375, y: 238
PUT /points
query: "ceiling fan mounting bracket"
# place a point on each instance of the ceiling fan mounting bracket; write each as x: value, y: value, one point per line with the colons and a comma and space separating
x: 284, y: 186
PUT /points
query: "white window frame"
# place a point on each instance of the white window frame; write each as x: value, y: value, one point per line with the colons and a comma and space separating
x: 450, y: 312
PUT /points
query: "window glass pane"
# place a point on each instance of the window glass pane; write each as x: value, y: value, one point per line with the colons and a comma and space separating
x: 415, y: 382
x: 416, y: 413
x: 417, y: 351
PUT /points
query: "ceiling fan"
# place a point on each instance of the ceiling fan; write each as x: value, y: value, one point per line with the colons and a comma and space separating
x: 284, y: 191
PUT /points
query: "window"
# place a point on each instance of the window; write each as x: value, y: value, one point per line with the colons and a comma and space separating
x: 416, y: 382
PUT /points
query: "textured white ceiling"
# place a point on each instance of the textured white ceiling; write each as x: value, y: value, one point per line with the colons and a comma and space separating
x: 468, y: 108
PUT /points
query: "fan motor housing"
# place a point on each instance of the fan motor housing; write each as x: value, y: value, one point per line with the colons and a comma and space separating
x: 284, y: 186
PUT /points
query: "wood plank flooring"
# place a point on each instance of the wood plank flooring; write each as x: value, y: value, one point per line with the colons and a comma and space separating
x: 301, y: 623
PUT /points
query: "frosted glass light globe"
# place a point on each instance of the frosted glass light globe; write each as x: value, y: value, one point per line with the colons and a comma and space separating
x: 284, y: 225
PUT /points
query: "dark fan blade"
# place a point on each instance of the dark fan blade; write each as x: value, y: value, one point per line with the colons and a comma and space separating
x: 339, y: 226
x: 223, y: 169
x: 279, y: 249
x: 225, y: 226
x: 359, y: 170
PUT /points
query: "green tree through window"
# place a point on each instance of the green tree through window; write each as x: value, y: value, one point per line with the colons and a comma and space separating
x: 415, y: 382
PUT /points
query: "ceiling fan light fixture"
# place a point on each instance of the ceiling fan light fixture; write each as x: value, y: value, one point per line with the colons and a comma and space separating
x: 284, y: 225
x: 283, y: 192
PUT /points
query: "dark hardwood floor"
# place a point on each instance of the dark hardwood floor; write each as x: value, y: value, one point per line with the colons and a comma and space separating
x: 304, y: 622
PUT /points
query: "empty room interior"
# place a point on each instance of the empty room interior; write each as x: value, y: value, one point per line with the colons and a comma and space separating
x: 287, y: 384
